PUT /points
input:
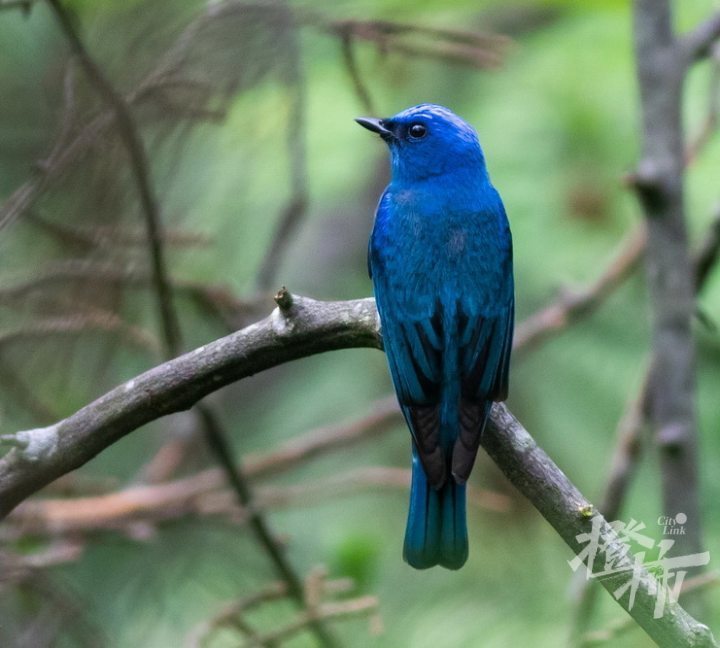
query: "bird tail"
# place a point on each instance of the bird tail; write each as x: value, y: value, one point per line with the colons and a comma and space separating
x: 436, y: 532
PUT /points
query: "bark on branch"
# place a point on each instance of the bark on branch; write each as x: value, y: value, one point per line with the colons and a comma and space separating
x: 304, y: 328
x: 661, y: 70
x: 300, y: 327
x: 526, y: 465
x: 697, y: 43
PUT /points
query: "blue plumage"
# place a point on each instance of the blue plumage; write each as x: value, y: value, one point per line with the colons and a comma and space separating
x: 440, y: 257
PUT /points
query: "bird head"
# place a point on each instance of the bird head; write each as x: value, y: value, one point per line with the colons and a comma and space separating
x: 427, y: 141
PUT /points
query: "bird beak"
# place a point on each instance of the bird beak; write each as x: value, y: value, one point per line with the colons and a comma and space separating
x: 376, y: 126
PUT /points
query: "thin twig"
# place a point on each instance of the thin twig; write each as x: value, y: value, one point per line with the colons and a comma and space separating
x: 382, y: 415
x: 621, y: 625
x: 68, y: 606
x: 216, y: 300
x: 202, y: 495
x: 212, y: 430
x: 229, y: 614
x: 141, y: 173
x: 307, y: 327
x: 707, y: 256
x: 24, y: 395
x: 709, y: 125
x: 164, y: 76
x: 24, y: 5
x: 294, y: 212
x: 661, y: 65
x: 90, y: 320
x: 16, y: 567
x: 370, y: 477
x: 316, y: 585
x: 104, y: 236
x: 353, y: 70
x: 627, y: 450
x: 452, y: 45
x: 628, y: 446
x: 573, y: 304
x: 217, y: 442
x: 362, y: 605
x: 301, y: 328
x: 697, y: 43
x: 66, y: 153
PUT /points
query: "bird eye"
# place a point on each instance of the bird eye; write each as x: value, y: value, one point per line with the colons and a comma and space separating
x: 417, y: 131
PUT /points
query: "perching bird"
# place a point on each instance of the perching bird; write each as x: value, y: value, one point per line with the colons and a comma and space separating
x: 440, y: 258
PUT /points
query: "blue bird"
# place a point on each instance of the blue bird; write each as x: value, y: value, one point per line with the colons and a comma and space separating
x: 440, y: 258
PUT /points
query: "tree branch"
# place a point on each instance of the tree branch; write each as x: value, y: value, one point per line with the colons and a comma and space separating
x: 144, y: 508
x: 141, y: 171
x: 218, y: 444
x: 121, y: 411
x: 707, y: 256
x: 661, y: 196
x: 620, y: 625
x: 564, y: 507
x: 306, y: 327
x: 89, y: 237
x: 80, y: 322
x: 573, y: 304
x: 629, y: 442
x: 353, y: 70
x: 66, y: 150
x: 24, y: 395
x: 661, y: 74
x: 628, y: 445
x: 484, y: 51
x: 230, y: 613
x: 24, y: 5
x: 316, y: 588
x: 299, y: 328
x: 697, y: 43
x: 362, y: 605
x: 294, y: 211
x: 709, y: 125
x: 214, y: 434
x: 215, y: 299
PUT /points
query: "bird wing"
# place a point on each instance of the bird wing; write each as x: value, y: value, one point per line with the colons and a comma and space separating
x: 485, y: 347
x: 420, y: 352
x: 414, y: 351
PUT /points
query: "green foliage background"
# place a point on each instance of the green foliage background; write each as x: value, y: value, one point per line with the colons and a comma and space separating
x: 559, y: 125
